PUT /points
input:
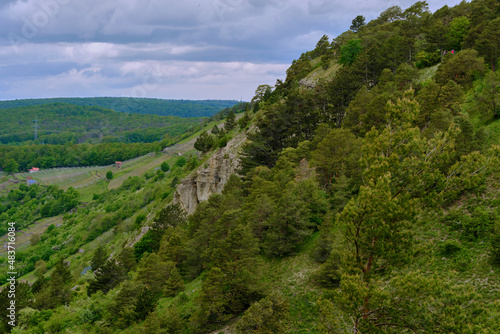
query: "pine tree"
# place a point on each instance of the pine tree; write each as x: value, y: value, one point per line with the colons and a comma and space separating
x: 174, y: 282
x: 99, y: 258
x: 146, y: 303
x: 375, y: 224
x: 230, y: 121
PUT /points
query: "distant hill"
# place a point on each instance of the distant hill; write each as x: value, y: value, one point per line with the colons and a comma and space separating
x: 181, y: 108
x: 61, y: 123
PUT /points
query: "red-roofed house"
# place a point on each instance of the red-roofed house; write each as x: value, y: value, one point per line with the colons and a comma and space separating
x: 34, y: 169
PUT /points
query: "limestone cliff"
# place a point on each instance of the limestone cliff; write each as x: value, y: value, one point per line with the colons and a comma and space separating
x: 211, y: 177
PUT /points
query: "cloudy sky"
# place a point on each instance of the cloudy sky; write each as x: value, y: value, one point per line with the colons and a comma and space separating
x: 183, y: 49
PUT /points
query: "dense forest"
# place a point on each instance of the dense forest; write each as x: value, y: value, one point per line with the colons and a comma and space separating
x: 367, y: 201
x: 59, y: 124
x: 180, y: 108
x: 70, y: 136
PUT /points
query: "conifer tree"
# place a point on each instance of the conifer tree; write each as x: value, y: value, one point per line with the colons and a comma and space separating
x: 145, y: 304
x: 99, y: 258
x: 375, y: 224
x: 230, y: 121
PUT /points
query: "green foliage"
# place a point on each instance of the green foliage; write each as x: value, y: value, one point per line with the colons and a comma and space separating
x: 407, y: 298
x: 462, y: 68
x: 230, y: 122
x: 495, y: 245
x: 56, y: 292
x: 146, y: 303
x: 181, y: 108
x: 109, y: 175
x: 26, y: 205
x: 357, y: 23
x: 165, y: 167
x: 204, y: 142
x: 180, y: 162
x: 457, y: 30
x: 106, y: 278
x: 99, y: 258
x: 349, y: 52
x: 337, y: 153
x: 488, y: 41
x: 427, y: 59
x: 264, y: 316
x: 60, y: 124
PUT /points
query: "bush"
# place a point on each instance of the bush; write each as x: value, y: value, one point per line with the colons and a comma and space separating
x: 181, y: 162
x: 165, y: 166
x: 426, y: 59
x: 109, y: 175
x: 264, y: 316
x: 450, y: 247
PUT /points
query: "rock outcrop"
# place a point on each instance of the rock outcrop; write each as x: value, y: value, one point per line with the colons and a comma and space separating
x: 211, y: 177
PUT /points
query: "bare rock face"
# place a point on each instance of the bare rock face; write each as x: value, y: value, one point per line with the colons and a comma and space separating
x: 211, y: 177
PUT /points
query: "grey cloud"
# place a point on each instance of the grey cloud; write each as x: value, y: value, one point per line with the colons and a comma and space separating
x: 95, y: 47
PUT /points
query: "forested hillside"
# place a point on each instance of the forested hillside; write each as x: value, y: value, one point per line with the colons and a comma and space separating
x: 69, y: 136
x: 180, y: 108
x: 367, y: 201
x: 59, y: 124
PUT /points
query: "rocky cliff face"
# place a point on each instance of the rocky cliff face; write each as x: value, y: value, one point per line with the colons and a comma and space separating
x: 211, y: 177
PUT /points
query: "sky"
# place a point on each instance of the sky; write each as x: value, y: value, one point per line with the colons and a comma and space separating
x: 183, y: 49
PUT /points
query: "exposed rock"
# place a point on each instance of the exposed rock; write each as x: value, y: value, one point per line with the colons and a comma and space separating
x: 211, y: 177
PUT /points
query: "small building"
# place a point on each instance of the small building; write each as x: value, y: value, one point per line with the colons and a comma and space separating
x: 118, y: 164
x: 34, y: 169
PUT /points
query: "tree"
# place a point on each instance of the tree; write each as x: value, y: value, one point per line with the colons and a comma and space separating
x: 487, y: 96
x: 260, y: 92
x: 126, y: 259
x: 215, y: 130
x: 349, y: 52
x: 10, y: 166
x: 437, y: 37
x: 153, y: 272
x: 321, y: 47
x: 264, y: 316
x: 289, y: 224
x: 106, y: 278
x: 174, y: 282
x: 457, y: 30
x: 357, y: 23
x: 145, y: 304
x: 56, y: 292
x: 461, y: 68
x: 123, y: 305
x: 231, y: 284
x: 204, y: 142
x: 99, y: 258
x: 165, y: 167
x: 488, y: 43
x: 109, y: 175
x: 375, y: 224
x: 338, y: 151
x: 230, y: 121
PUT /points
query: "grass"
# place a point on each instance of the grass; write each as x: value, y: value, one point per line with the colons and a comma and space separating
x: 23, y: 237
x: 321, y: 73
x: 426, y: 74
x: 138, y: 169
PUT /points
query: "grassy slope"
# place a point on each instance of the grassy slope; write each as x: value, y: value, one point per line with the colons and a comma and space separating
x: 85, y: 176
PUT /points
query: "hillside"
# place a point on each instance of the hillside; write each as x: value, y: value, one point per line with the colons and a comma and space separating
x: 359, y: 195
x: 60, y: 123
x: 162, y: 107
